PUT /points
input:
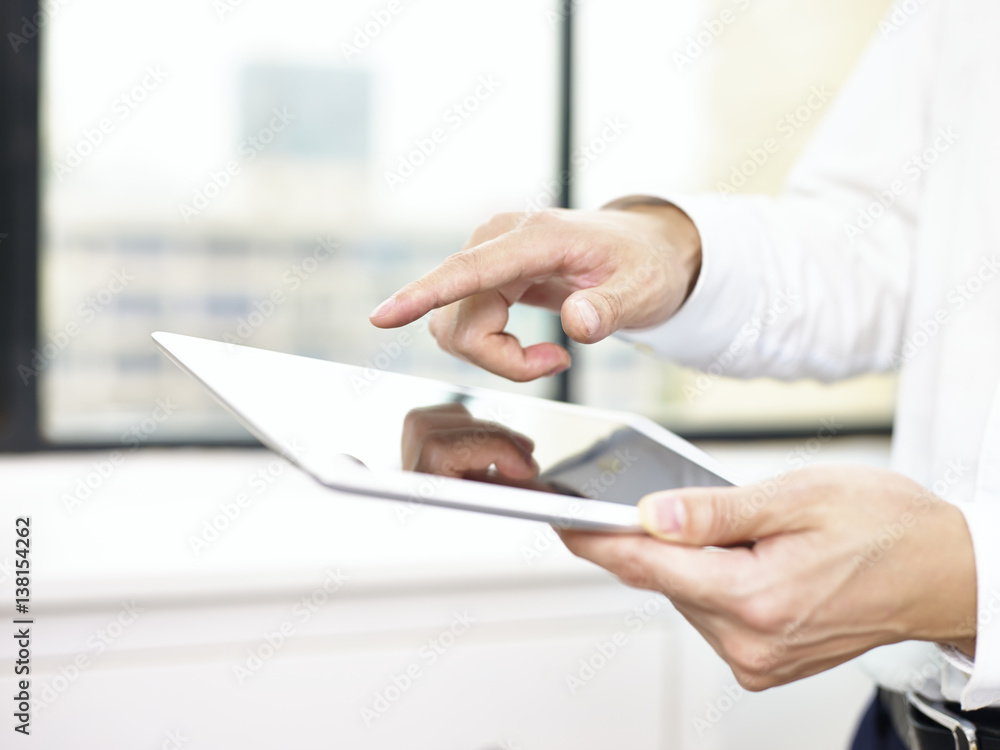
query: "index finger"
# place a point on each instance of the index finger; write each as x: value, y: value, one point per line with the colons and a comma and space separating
x: 695, y: 575
x: 491, y: 265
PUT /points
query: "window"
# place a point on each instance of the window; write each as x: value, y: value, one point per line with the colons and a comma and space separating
x: 266, y: 173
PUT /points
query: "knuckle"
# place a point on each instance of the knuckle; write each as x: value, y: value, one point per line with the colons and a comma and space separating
x: 495, y: 430
x: 752, y: 504
x: 460, y: 261
x: 751, y: 682
x: 493, y: 227
x: 762, y: 611
x: 670, y: 585
x: 417, y: 421
x: 443, y: 339
x: 465, y: 341
x: 743, y: 655
x: 712, y: 518
x: 741, y: 679
x: 433, y: 454
x: 462, y: 265
x: 440, y: 322
x: 503, y: 220
x: 480, y: 234
x: 438, y: 331
x: 633, y: 570
x: 503, y: 445
x: 411, y: 420
x: 543, y: 217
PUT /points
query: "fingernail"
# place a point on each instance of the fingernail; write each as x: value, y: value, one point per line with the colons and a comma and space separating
x: 556, y: 370
x: 588, y: 314
x: 384, y: 308
x: 663, y: 514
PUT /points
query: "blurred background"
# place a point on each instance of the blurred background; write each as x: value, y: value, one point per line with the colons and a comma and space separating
x: 265, y: 173
x: 185, y: 90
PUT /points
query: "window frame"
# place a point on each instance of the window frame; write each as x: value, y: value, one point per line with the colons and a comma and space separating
x: 19, y: 221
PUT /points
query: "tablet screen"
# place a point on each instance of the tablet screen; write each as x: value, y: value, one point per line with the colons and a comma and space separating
x: 579, y: 454
x: 314, y: 411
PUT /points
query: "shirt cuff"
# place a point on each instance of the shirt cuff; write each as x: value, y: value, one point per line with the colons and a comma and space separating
x: 956, y: 658
x: 983, y: 687
x: 723, y: 300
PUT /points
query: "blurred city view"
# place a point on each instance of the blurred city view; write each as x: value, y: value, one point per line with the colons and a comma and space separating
x: 266, y: 173
x: 268, y: 189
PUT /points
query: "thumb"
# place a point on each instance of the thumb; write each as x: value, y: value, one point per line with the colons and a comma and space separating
x: 713, y: 516
x: 594, y: 314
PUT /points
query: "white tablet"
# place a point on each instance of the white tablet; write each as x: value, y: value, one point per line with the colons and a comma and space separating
x: 344, y: 426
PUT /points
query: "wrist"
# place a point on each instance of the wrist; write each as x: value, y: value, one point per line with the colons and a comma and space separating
x: 948, y: 597
x: 964, y: 582
x: 670, y: 227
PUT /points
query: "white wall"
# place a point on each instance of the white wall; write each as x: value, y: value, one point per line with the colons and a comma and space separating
x: 502, y: 683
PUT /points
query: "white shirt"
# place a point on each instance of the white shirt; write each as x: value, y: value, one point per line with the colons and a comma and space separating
x: 887, y: 242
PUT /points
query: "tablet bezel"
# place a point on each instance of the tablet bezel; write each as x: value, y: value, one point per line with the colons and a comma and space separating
x: 341, y: 474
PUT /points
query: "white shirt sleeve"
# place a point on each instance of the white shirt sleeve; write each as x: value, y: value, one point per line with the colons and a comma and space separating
x: 982, y: 686
x: 794, y: 286
x: 981, y: 509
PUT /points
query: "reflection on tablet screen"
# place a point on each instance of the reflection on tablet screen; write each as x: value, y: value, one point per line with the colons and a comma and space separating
x: 578, y: 455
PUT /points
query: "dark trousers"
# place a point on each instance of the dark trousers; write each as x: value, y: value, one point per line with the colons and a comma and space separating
x: 875, y: 731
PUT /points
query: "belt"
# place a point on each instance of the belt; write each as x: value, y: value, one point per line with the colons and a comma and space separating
x: 924, y: 724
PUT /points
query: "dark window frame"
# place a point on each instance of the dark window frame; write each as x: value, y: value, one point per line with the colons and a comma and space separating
x: 19, y: 222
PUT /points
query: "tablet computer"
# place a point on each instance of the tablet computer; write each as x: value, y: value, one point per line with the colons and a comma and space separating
x: 357, y: 430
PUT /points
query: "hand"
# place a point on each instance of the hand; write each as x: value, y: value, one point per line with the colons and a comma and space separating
x: 447, y: 440
x: 842, y: 560
x: 602, y: 270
